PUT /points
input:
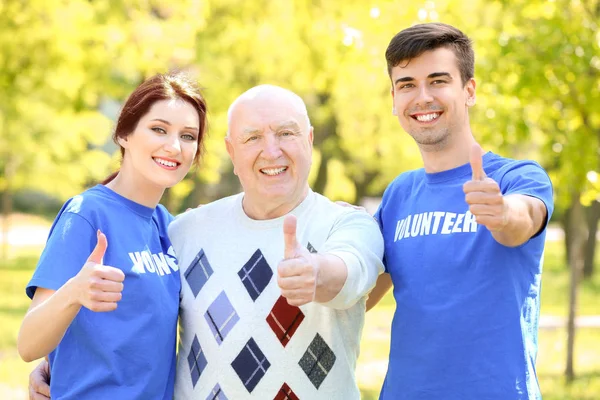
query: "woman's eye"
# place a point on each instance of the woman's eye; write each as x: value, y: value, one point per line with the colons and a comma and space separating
x: 187, y: 136
x: 159, y: 130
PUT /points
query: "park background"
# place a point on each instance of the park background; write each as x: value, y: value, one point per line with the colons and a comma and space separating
x: 67, y: 65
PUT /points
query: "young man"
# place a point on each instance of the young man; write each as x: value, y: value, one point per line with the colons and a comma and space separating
x: 464, y: 237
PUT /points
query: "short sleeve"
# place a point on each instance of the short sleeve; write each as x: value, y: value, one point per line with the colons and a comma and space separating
x: 70, y: 242
x: 529, y: 178
x: 357, y: 240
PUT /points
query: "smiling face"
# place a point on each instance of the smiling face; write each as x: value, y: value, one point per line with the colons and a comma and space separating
x: 161, y: 149
x: 270, y: 145
x: 430, y: 100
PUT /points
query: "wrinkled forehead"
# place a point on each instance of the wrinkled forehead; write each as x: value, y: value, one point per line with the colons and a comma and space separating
x: 268, y: 113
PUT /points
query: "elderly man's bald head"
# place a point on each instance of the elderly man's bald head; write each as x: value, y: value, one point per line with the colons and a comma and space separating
x: 269, y: 142
x: 272, y: 93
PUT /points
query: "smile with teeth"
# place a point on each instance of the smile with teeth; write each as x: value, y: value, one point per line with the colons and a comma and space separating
x: 166, y: 163
x: 426, y: 117
x: 273, y: 171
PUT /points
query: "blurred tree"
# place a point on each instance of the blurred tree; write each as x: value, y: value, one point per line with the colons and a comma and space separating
x: 61, y: 61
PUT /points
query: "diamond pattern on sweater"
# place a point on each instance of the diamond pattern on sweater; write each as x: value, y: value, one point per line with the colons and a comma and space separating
x: 284, y: 320
x: 250, y: 365
x: 317, y: 361
x: 217, y: 394
x: 198, y: 272
x: 196, y: 361
x: 256, y: 274
x: 285, y: 393
x: 311, y: 248
x: 221, y: 317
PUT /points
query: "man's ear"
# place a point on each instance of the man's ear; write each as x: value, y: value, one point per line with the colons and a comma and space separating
x: 470, y: 89
x: 230, y: 151
x: 310, y: 136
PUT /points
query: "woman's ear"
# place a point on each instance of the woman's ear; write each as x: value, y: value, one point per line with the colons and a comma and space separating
x: 122, y: 141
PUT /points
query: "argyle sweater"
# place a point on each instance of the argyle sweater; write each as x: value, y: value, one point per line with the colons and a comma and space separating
x: 239, y: 338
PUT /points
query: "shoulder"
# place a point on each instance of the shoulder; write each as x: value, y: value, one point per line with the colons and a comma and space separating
x: 498, y: 165
x: 342, y: 214
x: 162, y: 216
x: 217, y: 209
x: 86, y: 201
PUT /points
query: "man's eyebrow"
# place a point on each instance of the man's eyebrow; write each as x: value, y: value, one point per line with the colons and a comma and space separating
x: 439, y: 74
x: 404, y: 79
x: 250, y: 131
x: 164, y: 121
x: 430, y: 76
x: 287, y: 124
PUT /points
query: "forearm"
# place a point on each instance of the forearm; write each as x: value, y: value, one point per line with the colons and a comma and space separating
x: 45, y: 324
x: 384, y: 283
x: 331, y: 276
x: 525, y: 216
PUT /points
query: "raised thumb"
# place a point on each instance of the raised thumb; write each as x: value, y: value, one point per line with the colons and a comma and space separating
x: 98, y: 253
x: 289, y: 236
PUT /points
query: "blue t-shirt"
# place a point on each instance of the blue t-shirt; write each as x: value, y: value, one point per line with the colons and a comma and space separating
x: 465, y: 325
x: 128, y: 353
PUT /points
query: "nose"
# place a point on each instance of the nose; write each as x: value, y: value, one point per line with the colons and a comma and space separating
x: 172, y: 144
x: 424, y: 96
x: 272, y: 148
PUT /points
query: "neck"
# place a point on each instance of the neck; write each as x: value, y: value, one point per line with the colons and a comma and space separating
x: 449, y: 155
x: 261, y: 210
x: 145, y: 194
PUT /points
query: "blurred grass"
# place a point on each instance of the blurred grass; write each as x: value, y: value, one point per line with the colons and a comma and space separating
x: 372, y: 363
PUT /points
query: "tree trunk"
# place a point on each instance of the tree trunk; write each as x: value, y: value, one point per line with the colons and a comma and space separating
x: 321, y: 180
x: 566, y: 225
x: 593, y: 215
x: 7, y: 202
x: 576, y: 244
x: 7, y: 205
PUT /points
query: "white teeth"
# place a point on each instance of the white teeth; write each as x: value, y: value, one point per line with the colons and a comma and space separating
x: 427, y: 117
x: 165, y: 162
x: 273, y: 171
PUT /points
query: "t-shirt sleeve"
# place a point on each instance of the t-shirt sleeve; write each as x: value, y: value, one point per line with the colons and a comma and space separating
x: 379, y: 218
x: 530, y: 179
x: 69, y: 245
x: 357, y: 240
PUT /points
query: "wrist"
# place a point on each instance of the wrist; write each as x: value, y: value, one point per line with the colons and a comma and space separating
x: 71, y: 292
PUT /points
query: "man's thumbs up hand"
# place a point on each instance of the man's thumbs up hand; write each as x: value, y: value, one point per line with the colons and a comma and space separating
x: 483, y: 195
x: 297, y: 273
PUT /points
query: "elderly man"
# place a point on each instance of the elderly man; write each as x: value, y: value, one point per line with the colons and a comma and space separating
x: 274, y: 279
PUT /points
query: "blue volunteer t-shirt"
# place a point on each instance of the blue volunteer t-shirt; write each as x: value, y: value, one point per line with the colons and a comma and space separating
x: 465, y: 325
x: 128, y: 353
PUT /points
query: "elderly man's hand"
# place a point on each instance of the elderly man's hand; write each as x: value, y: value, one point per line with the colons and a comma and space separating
x: 297, y: 273
x: 39, y: 382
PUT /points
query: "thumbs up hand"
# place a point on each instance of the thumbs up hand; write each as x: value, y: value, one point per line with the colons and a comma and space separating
x: 297, y: 273
x: 99, y: 286
x: 483, y: 195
